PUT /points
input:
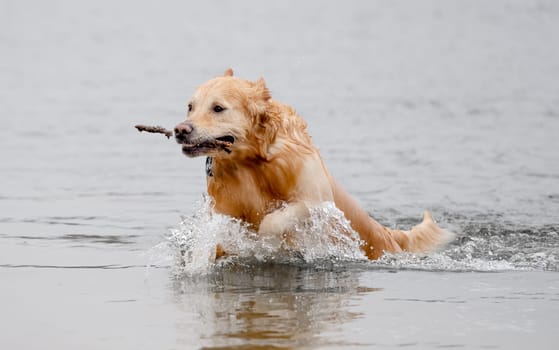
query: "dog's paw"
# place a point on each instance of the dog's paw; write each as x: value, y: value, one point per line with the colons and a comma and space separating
x: 219, y: 252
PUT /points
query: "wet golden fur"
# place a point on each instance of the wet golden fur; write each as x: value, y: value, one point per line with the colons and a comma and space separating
x: 271, y: 174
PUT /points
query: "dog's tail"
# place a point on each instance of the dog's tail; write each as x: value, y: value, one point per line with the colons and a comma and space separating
x: 424, y: 237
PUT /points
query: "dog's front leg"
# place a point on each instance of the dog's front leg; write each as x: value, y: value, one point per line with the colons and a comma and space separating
x: 279, y: 226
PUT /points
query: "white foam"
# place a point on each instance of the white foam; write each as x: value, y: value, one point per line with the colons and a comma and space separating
x: 325, y: 237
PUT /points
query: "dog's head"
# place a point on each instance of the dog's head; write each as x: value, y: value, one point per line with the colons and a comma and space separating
x: 227, y: 117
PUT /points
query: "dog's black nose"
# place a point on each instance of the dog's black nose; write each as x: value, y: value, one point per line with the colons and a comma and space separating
x: 183, y: 129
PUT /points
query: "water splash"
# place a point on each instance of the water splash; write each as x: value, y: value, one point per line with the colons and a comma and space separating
x: 326, y: 240
x: 192, y: 244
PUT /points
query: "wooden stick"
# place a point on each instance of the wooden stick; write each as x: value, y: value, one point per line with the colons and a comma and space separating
x: 154, y: 129
x: 224, y: 145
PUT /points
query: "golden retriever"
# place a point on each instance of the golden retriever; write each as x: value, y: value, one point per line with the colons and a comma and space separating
x: 263, y: 168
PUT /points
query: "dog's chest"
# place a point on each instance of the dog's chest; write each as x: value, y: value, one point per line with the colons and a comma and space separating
x: 245, y: 192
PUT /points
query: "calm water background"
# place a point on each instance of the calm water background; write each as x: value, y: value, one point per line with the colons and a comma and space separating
x: 451, y: 106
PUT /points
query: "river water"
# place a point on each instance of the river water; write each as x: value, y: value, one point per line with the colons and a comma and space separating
x: 450, y: 106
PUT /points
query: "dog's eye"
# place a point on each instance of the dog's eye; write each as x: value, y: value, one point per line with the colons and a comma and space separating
x: 190, y: 107
x: 218, y: 109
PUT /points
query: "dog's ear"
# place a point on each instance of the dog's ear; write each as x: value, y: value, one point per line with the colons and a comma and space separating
x: 262, y: 90
x: 228, y: 72
x: 260, y: 96
x: 266, y: 121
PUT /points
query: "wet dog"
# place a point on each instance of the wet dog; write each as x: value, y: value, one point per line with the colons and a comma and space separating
x: 262, y: 167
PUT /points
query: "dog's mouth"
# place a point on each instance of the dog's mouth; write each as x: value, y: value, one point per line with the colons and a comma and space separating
x: 205, y: 147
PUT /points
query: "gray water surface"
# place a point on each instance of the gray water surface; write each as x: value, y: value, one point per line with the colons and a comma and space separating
x: 450, y: 106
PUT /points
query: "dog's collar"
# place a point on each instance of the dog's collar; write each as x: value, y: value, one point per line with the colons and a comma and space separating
x: 209, y: 166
